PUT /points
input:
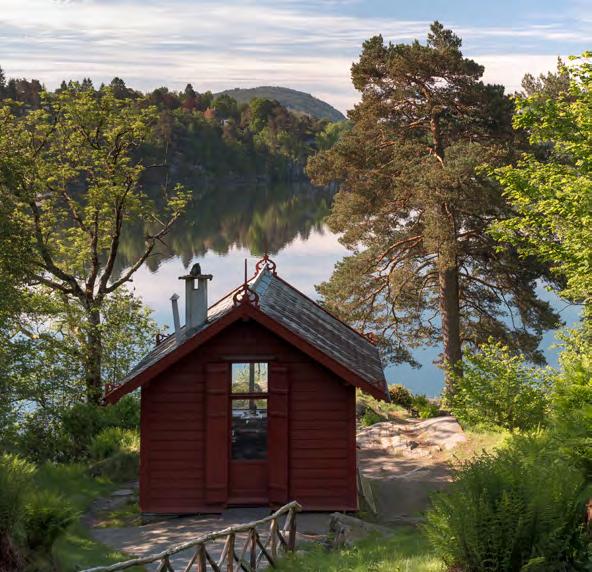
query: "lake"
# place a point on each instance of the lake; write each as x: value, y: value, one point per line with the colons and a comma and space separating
x: 228, y: 224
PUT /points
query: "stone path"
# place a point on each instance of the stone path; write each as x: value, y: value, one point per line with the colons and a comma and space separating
x: 153, y: 538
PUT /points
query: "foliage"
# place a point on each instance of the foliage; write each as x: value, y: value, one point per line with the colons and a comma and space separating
x: 31, y: 520
x: 122, y: 466
x: 383, y: 409
x: 479, y: 441
x: 15, y: 479
x: 400, y: 395
x: 77, y: 549
x: 114, y: 440
x: 549, y: 187
x: 114, y: 450
x: 518, y: 506
x: 572, y: 398
x: 405, y: 550
x: 295, y: 101
x: 499, y: 389
x: 47, y: 516
x: 65, y: 435
x: 414, y: 206
x: 370, y: 417
x: 76, y: 184
x: 424, y: 408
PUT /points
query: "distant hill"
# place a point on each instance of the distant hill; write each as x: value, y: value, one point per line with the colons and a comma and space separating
x: 294, y: 100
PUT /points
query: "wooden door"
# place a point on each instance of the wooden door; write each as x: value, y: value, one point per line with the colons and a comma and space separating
x: 248, y: 434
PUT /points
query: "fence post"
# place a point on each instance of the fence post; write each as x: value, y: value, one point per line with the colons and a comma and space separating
x: 230, y: 553
x: 292, y: 531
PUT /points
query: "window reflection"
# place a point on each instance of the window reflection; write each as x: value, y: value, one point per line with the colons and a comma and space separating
x: 249, y: 429
x: 249, y: 378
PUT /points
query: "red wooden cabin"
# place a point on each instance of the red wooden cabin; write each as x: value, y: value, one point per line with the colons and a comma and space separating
x: 252, y: 402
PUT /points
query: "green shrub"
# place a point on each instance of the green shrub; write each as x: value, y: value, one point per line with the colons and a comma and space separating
x: 572, y: 398
x: 83, y: 421
x: 370, y: 417
x: 519, y: 507
x: 114, y: 440
x: 116, y: 452
x: 400, y: 395
x: 47, y: 516
x: 424, y: 408
x: 65, y: 436
x: 119, y: 467
x: 41, y: 438
x: 498, y: 389
x: 16, y: 475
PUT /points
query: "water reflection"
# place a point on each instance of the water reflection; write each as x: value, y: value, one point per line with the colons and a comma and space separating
x: 258, y: 218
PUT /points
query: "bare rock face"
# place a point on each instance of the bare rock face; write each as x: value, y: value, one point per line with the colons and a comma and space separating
x: 429, y: 435
x: 402, y: 463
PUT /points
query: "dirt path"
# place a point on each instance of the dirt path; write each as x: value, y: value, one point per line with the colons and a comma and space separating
x: 403, y: 462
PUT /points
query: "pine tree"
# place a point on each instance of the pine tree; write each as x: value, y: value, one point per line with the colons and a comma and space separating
x: 414, y: 207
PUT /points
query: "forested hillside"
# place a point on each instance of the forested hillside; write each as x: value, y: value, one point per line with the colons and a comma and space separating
x: 292, y: 99
x: 205, y: 136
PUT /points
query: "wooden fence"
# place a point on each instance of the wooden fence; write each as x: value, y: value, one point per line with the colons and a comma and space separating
x: 255, y: 549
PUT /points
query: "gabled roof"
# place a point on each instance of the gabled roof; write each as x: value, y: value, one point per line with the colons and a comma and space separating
x: 290, y: 314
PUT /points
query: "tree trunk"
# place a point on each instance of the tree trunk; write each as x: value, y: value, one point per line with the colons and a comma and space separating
x: 94, y: 351
x: 450, y: 317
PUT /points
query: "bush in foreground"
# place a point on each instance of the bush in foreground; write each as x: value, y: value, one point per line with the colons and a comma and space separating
x: 15, y: 480
x: 520, y: 508
x: 499, y: 389
x: 30, y: 520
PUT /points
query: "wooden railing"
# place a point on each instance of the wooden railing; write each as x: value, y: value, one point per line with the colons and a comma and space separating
x: 254, y: 550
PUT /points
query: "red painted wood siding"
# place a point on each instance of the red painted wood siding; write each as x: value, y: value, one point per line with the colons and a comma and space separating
x: 173, y: 439
x: 321, y: 451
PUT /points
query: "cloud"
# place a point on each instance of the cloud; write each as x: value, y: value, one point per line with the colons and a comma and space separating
x: 216, y: 45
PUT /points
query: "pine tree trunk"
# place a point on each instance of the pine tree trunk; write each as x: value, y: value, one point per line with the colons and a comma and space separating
x: 450, y: 316
x: 94, y: 351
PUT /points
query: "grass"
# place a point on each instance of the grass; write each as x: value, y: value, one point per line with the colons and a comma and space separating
x: 478, y: 442
x: 76, y: 549
x: 389, y: 411
x: 406, y: 551
x: 122, y: 516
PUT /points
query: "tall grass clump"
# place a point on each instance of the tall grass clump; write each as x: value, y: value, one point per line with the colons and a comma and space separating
x: 519, y: 508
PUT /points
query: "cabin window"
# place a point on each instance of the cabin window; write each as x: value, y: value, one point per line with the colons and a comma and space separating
x: 249, y: 411
x: 249, y: 377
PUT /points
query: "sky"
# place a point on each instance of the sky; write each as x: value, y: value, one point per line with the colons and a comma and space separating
x: 302, y: 44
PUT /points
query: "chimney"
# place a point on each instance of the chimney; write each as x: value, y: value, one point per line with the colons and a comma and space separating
x: 196, y: 297
x: 176, y: 320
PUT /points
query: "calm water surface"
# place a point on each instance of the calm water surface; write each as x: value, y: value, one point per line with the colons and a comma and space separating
x: 225, y: 227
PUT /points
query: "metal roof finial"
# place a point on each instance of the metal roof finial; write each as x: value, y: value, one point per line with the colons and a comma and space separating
x: 267, y: 263
x: 245, y: 294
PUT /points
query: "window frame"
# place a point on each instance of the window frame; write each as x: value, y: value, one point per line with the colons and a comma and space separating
x: 247, y: 396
